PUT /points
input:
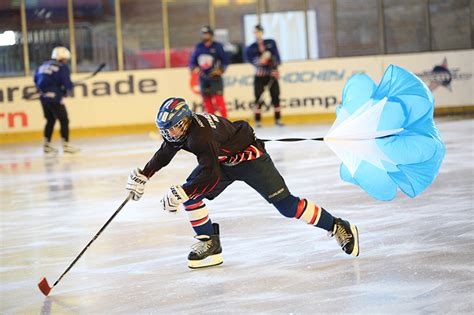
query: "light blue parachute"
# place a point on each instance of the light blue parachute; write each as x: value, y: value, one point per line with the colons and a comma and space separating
x: 385, y: 135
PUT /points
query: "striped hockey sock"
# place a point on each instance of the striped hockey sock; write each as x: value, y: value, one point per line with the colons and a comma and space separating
x: 314, y: 215
x: 198, y: 215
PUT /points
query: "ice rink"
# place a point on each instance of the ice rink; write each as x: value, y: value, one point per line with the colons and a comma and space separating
x: 417, y: 255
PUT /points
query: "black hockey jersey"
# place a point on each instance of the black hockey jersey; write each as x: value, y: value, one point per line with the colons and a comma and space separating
x: 214, y: 140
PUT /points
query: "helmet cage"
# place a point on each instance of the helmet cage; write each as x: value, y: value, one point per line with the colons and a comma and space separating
x: 182, y: 125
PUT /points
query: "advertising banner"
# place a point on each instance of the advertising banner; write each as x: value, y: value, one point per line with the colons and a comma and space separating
x: 447, y: 74
x: 307, y: 87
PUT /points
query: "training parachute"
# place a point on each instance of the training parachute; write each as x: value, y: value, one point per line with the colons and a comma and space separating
x: 385, y: 135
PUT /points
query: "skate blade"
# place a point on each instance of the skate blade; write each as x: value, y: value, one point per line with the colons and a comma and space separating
x: 209, y: 261
x: 355, y: 234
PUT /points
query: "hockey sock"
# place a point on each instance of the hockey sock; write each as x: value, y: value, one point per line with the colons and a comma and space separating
x: 287, y: 206
x: 209, y: 107
x: 258, y: 109
x: 304, y: 209
x: 277, y: 111
x: 219, y: 100
x: 314, y: 215
x: 198, y: 215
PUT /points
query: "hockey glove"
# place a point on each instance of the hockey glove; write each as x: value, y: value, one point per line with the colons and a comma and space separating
x: 217, y: 72
x: 173, y: 198
x: 136, y: 183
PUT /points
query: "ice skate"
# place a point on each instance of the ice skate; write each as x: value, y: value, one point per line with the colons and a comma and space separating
x: 258, y: 124
x: 49, y: 149
x: 206, y: 252
x: 69, y: 149
x: 347, y: 236
x: 279, y: 123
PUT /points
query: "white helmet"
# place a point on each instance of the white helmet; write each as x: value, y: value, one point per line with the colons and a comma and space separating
x: 60, y: 53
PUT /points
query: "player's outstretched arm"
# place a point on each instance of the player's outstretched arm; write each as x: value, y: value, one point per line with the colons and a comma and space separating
x: 160, y: 159
x: 136, y: 183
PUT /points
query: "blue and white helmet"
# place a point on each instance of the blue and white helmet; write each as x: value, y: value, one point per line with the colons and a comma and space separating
x: 172, y: 114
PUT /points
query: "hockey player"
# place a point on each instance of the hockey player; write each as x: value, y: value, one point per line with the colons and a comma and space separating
x: 226, y: 152
x: 210, y: 60
x: 263, y: 54
x: 53, y: 80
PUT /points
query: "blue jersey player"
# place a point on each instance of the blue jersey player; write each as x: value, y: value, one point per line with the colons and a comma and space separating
x: 53, y: 81
x: 210, y: 61
x: 226, y: 152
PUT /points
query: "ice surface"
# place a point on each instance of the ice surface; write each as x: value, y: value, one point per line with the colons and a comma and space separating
x: 417, y: 255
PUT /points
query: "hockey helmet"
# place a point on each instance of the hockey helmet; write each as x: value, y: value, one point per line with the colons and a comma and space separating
x: 207, y: 30
x: 61, y: 53
x: 173, y: 113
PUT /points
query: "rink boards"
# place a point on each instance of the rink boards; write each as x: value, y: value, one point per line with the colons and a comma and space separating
x: 310, y: 90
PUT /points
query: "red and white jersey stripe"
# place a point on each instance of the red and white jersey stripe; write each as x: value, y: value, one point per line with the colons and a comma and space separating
x: 250, y: 153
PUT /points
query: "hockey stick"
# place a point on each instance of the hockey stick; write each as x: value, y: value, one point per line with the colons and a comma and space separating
x: 43, y: 284
x: 32, y: 96
x: 93, y: 74
x: 267, y: 87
